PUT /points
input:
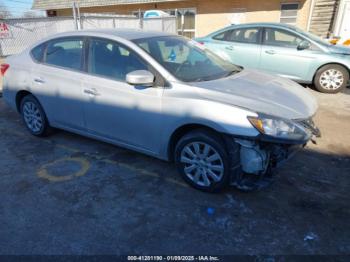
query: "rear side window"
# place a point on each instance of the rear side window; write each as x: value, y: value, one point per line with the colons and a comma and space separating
x: 67, y: 53
x: 38, y: 53
x: 242, y: 35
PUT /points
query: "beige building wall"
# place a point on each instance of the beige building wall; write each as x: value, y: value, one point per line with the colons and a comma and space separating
x: 215, y: 14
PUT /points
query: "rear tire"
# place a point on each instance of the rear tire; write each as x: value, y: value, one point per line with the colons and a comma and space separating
x: 203, y: 160
x: 34, y: 116
x: 331, y: 79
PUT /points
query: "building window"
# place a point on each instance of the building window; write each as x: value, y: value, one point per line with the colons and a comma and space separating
x: 289, y: 13
x: 185, y: 20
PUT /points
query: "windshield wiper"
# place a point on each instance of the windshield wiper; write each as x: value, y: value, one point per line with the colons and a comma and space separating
x: 233, y: 72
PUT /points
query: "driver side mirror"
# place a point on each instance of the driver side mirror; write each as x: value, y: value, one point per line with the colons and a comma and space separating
x: 140, y: 78
x: 304, y: 45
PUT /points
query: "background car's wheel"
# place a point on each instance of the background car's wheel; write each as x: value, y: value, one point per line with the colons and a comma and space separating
x: 331, y: 78
x: 204, y: 161
x: 34, y: 116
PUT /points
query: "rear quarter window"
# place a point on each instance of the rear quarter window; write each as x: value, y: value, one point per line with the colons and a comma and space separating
x: 38, y: 53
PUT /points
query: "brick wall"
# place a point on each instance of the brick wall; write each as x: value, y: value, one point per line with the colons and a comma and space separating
x: 213, y: 15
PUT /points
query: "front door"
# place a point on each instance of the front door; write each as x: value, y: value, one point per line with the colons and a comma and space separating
x: 115, y: 110
x: 280, y: 55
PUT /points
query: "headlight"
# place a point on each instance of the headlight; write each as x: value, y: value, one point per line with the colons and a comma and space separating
x: 279, y: 128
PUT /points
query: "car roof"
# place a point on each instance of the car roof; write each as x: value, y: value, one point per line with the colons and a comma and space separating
x: 262, y: 24
x: 126, y: 33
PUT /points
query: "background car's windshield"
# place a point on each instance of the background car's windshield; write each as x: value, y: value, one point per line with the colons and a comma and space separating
x: 313, y: 37
x: 187, y: 60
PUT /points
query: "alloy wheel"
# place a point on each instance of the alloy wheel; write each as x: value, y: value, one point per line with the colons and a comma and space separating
x: 331, y: 79
x: 32, y: 116
x: 202, y: 163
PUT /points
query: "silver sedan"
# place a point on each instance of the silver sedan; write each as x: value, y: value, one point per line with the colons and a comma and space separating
x: 165, y: 96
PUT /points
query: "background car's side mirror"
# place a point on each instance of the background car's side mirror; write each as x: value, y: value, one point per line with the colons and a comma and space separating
x: 140, y: 78
x: 304, y: 45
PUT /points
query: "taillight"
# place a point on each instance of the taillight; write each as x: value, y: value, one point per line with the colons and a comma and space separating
x: 3, y: 68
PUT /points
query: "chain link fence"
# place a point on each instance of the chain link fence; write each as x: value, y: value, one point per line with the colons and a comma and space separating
x: 25, y: 31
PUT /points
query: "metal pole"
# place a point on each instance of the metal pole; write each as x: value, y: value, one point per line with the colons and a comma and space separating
x: 182, y: 22
x: 312, y: 5
x: 75, y: 16
x: 140, y: 18
x: 78, y: 16
x: 176, y: 23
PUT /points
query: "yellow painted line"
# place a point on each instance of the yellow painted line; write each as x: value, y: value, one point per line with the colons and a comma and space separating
x: 43, y: 173
x: 68, y: 148
x: 84, y: 167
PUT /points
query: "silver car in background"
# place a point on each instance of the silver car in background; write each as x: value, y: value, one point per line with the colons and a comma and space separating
x: 165, y: 96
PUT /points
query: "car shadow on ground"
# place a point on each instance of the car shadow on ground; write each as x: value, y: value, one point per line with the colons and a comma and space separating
x: 312, y: 87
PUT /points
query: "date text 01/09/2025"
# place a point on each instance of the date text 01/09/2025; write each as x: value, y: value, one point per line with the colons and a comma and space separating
x: 173, y: 258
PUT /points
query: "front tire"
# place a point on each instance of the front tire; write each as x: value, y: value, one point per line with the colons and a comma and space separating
x: 204, y: 161
x: 331, y: 79
x: 34, y: 116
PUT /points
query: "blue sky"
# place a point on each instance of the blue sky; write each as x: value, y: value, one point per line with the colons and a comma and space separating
x: 17, y: 7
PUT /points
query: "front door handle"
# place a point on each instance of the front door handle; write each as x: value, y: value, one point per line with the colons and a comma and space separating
x: 91, y: 92
x: 270, y: 52
x: 230, y: 47
x: 39, y: 80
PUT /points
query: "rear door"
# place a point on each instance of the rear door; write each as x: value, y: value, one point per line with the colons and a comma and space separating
x: 280, y: 54
x: 56, y: 81
x: 240, y: 46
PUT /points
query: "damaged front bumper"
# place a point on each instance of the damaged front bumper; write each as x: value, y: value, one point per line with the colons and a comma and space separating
x: 261, y: 155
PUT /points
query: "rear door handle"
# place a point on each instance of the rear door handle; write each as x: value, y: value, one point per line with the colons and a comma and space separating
x: 230, y: 47
x: 39, y: 80
x: 270, y: 52
x: 91, y: 92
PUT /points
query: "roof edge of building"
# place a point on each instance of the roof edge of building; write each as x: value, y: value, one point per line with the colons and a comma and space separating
x: 44, y: 5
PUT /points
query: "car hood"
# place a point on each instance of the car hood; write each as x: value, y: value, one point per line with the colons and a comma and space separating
x: 262, y: 93
x: 338, y: 49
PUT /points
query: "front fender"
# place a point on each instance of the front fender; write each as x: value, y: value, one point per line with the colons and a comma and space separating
x: 342, y: 60
x: 217, y: 116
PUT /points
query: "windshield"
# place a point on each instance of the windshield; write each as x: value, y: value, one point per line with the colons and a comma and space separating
x: 187, y: 60
x: 313, y: 37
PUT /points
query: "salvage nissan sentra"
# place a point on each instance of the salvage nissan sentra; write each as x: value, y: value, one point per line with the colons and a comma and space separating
x: 162, y: 95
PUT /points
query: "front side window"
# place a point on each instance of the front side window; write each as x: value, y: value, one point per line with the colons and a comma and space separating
x: 185, y: 59
x: 67, y: 53
x: 221, y: 36
x: 282, y: 38
x: 110, y: 59
x: 244, y: 35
